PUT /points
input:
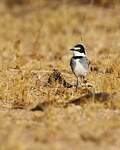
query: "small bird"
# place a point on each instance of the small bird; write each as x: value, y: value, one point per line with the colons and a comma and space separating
x: 79, y: 63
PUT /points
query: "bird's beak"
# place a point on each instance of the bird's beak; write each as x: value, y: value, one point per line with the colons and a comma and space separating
x: 72, y: 49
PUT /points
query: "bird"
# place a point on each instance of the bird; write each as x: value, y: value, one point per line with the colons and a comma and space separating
x: 79, y: 63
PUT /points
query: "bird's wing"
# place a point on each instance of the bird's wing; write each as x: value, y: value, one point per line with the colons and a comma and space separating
x: 72, y: 64
x: 88, y: 61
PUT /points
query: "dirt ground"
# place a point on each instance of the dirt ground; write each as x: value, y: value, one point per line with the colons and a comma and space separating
x: 39, y: 107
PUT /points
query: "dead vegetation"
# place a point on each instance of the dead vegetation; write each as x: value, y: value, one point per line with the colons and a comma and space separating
x: 38, y: 100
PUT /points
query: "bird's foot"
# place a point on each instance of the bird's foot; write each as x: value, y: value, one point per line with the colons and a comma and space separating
x: 89, y: 85
x: 84, y: 85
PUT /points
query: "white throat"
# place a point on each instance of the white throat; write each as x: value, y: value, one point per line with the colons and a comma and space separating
x: 76, y: 53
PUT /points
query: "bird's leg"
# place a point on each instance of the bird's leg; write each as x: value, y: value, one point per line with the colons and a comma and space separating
x: 77, y: 82
x: 82, y: 80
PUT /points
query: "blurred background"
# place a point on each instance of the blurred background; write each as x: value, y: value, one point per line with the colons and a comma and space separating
x: 106, y: 3
x: 35, y: 38
x: 35, y: 22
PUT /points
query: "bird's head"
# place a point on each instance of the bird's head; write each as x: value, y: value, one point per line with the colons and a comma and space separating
x: 78, y: 50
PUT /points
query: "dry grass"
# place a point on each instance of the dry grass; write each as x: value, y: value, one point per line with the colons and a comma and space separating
x: 33, y: 42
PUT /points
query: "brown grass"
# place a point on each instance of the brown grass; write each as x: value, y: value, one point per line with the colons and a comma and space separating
x: 35, y: 40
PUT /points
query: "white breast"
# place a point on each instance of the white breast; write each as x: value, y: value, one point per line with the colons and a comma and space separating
x: 80, y: 69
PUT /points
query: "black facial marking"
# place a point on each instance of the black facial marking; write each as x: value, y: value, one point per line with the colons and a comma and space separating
x: 77, y: 57
x: 79, y: 45
x: 81, y: 48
